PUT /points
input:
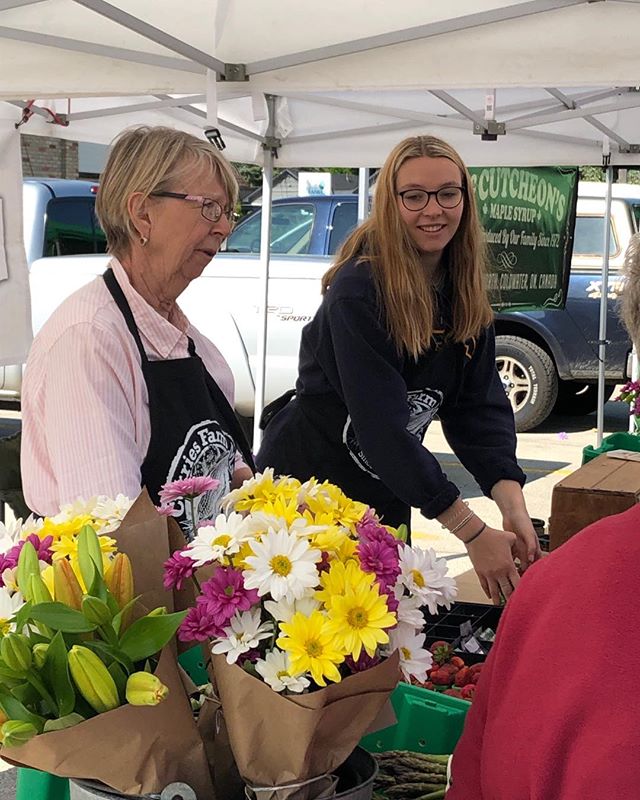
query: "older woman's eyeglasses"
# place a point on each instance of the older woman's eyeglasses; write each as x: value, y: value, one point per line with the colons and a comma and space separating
x: 446, y: 197
x: 211, y: 209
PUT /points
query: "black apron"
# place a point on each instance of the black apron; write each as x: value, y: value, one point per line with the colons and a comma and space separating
x: 194, y: 430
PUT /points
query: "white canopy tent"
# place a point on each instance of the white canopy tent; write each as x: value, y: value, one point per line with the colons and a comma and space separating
x: 339, y: 82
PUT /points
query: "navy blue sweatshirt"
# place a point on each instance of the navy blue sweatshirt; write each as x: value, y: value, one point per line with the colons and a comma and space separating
x: 362, y: 409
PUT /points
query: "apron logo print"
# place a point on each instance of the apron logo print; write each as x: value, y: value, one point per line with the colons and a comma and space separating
x: 209, y: 451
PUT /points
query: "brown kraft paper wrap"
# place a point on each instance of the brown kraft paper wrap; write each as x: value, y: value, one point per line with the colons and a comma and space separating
x: 279, y: 739
x: 133, y: 749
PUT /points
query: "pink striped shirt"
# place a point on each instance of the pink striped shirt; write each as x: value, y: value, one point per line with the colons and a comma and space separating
x: 85, y: 407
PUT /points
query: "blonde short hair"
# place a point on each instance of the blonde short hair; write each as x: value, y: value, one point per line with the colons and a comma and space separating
x: 151, y: 159
x: 630, y: 303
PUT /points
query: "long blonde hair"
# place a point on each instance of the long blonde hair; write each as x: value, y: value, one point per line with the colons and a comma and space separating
x: 406, y: 298
x: 630, y: 301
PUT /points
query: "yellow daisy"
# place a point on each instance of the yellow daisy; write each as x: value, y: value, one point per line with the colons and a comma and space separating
x: 341, y: 577
x: 358, y: 619
x: 311, y: 647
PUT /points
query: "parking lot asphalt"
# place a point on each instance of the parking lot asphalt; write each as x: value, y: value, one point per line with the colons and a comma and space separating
x: 547, y: 455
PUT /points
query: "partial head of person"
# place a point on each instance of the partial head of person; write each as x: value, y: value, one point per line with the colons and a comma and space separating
x: 424, y: 233
x: 630, y: 303
x: 165, y: 203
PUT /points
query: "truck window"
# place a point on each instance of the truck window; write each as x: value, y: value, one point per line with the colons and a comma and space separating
x: 636, y: 215
x: 588, y: 237
x: 71, y: 228
x: 291, y: 229
x: 345, y: 219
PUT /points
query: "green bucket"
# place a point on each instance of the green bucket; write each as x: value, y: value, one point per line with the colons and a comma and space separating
x: 615, y: 441
x: 32, y: 784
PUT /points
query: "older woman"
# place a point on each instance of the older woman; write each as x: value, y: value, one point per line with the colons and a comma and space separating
x: 120, y: 390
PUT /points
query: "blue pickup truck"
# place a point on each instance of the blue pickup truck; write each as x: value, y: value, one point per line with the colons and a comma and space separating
x: 548, y: 359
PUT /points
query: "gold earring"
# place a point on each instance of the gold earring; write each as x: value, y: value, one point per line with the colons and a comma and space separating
x: 143, y: 241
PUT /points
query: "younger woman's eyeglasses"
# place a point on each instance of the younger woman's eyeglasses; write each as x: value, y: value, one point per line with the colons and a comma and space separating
x: 446, y: 197
x: 211, y: 209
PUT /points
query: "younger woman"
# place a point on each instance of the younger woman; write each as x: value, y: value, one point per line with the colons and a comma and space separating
x: 404, y: 333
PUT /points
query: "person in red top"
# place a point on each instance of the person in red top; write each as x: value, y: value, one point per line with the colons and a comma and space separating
x: 556, y: 715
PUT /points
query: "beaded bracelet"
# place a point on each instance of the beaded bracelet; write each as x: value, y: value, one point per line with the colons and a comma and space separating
x: 475, y: 535
x: 461, y: 524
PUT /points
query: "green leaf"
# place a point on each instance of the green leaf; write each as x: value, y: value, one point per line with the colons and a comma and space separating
x: 61, y: 618
x: 117, y: 620
x: 23, y: 616
x: 14, y: 709
x: 98, y: 587
x: 148, y: 635
x: 89, y: 554
x: 55, y: 673
x: 112, y: 603
x: 120, y: 678
x: 26, y: 694
x: 68, y: 721
x: 112, y: 654
x: 402, y: 532
x: 27, y: 566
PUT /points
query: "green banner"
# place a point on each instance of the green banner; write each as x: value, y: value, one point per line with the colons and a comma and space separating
x: 528, y: 214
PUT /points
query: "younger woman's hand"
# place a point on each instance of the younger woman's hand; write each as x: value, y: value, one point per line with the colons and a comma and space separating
x: 492, y: 559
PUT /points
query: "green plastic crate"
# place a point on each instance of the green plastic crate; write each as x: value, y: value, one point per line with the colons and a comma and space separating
x: 192, y: 662
x: 428, y: 722
x: 614, y: 441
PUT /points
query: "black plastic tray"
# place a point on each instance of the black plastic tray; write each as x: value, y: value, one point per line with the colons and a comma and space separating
x: 445, y: 626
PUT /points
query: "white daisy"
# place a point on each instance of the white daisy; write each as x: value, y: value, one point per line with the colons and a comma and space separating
x: 111, y: 510
x: 221, y: 538
x: 244, y: 633
x: 8, y: 535
x: 79, y: 508
x: 30, y: 525
x: 10, y: 604
x: 274, y: 669
x: 415, y: 661
x: 409, y: 610
x: 260, y: 522
x: 283, y: 610
x: 283, y: 566
x: 425, y: 576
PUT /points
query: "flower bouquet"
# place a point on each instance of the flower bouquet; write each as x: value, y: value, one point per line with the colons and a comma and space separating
x: 312, y: 608
x: 630, y: 394
x: 82, y: 661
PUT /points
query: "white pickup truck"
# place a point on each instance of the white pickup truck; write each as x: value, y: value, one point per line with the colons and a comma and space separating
x: 547, y: 359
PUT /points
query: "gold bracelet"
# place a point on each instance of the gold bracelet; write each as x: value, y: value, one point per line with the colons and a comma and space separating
x: 456, y: 516
x: 469, y: 516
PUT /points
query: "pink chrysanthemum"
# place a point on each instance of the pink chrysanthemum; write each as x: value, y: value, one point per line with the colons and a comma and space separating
x: 177, y: 570
x: 198, y: 626
x: 166, y: 510
x: 225, y: 593
x: 380, y: 557
x: 188, y: 487
x: 9, y: 560
x: 364, y: 662
x: 370, y: 529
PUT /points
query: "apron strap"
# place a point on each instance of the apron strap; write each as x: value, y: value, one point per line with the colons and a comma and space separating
x: 121, y: 301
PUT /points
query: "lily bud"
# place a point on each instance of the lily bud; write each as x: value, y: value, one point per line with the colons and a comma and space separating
x: 145, y: 689
x: 14, y: 733
x: 92, y: 679
x: 39, y: 653
x: 96, y: 610
x: 119, y: 579
x: 16, y: 653
x: 38, y: 591
x: 65, y: 584
x: 160, y: 611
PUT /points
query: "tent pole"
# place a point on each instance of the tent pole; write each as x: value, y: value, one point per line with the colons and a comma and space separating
x: 363, y: 194
x: 604, y: 298
x: 265, y: 243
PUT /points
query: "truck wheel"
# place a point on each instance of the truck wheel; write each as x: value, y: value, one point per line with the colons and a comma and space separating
x: 576, y: 398
x: 529, y: 378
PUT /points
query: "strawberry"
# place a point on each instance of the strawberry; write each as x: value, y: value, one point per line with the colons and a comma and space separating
x: 468, y: 691
x: 457, y: 662
x: 462, y: 677
x: 454, y: 693
x: 441, y: 651
x: 442, y: 678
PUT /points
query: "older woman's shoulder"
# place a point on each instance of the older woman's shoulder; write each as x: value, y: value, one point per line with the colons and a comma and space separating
x: 90, y: 306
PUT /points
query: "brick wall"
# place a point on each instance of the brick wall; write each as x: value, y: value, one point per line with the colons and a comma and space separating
x: 45, y: 157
